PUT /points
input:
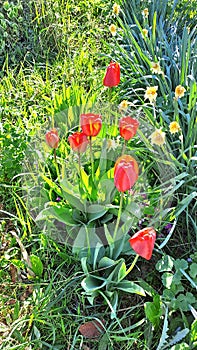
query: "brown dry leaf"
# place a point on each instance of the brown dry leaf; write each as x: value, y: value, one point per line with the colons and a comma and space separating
x: 13, y: 273
x: 24, y: 253
x: 27, y: 293
x: 86, y: 347
x: 92, y: 329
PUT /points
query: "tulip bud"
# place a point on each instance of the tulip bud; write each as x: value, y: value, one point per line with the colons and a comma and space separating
x: 128, y: 127
x: 125, y: 173
x: 52, y: 138
x: 112, y: 76
x: 143, y: 242
x: 78, y: 142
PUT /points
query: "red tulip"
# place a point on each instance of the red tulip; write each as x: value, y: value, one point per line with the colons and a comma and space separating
x: 91, y: 124
x: 125, y: 173
x: 143, y: 242
x: 128, y: 127
x: 78, y: 142
x: 112, y: 76
x: 52, y: 138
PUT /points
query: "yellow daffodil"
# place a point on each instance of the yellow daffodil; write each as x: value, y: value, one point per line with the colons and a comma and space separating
x: 145, y: 32
x: 116, y: 9
x: 151, y: 93
x: 123, y: 106
x: 174, y: 127
x: 158, y: 137
x: 155, y: 68
x: 112, y: 29
x: 179, y: 91
x: 145, y: 13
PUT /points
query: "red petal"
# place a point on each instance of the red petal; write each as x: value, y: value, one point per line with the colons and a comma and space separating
x: 143, y: 242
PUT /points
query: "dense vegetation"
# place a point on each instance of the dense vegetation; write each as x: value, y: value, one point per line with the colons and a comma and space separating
x: 53, y: 56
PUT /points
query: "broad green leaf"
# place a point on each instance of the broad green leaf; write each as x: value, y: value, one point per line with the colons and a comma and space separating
x: 59, y: 213
x: 106, y: 262
x: 165, y: 264
x: 193, y: 333
x: 193, y: 270
x: 81, y: 239
x: 95, y: 211
x: 122, y: 271
x: 85, y: 180
x: 70, y: 196
x: 37, y: 265
x: 167, y: 279
x: 93, y: 283
x: 97, y: 249
x: 108, y: 236
x: 153, y: 310
x: 180, y: 264
x: 130, y: 287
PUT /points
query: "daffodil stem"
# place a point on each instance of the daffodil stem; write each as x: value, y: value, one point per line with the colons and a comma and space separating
x: 91, y: 158
x: 119, y: 215
x: 176, y: 110
x: 132, y: 265
x: 154, y: 111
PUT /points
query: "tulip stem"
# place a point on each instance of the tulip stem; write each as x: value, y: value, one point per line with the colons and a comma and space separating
x: 132, y: 265
x: 119, y: 215
x: 54, y: 155
x: 91, y: 158
x: 56, y: 165
x: 124, y: 146
x: 79, y: 163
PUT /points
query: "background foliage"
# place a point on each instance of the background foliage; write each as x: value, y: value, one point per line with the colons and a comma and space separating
x: 53, y: 55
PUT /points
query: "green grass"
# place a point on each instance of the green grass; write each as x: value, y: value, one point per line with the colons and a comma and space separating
x: 53, y: 58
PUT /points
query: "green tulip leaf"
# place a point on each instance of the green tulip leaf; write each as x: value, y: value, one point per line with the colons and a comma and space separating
x: 54, y: 211
x: 130, y: 287
x: 93, y: 283
x: 106, y: 262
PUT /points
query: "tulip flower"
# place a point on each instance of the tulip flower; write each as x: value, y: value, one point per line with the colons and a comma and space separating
x: 91, y: 124
x: 52, y: 138
x: 143, y: 242
x: 78, y: 142
x: 125, y: 173
x: 128, y: 127
x: 112, y: 76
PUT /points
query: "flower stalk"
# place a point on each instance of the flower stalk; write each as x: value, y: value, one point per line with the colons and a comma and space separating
x: 91, y: 158
x: 119, y: 215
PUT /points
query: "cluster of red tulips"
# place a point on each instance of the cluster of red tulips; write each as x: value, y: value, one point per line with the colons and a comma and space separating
x: 126, y: 168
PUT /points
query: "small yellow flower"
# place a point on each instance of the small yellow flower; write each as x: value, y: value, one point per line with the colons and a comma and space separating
x: 179, y: 91
x: 116, y: 9
x: 112, y: 29
x: 151, y: 93
x: 145, y: 13
x: 158, y: 137
x: 123, y: 106
x: 155, y: 68
x: 145, y: 32
x: 174, y: 127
